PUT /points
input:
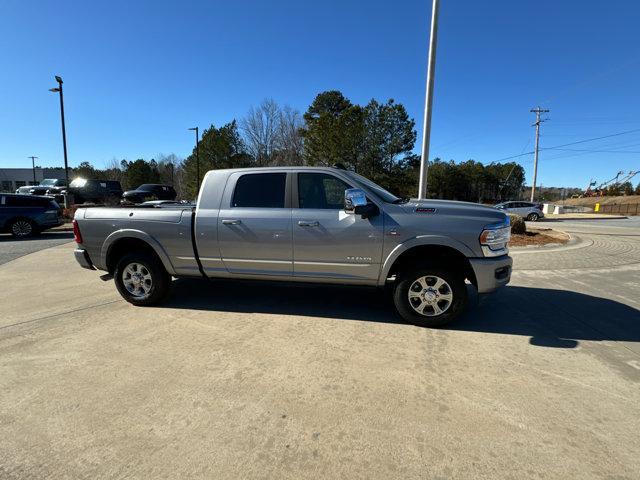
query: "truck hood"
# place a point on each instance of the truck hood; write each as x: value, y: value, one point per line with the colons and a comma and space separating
x: 461, y: 222
x: 135, y: 192
x: 450, y: 206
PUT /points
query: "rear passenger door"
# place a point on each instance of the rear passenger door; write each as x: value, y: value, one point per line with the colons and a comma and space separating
x: 521, y: 208
x: 254, y: 225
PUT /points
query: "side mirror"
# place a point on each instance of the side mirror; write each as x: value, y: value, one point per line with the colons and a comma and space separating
x: 355, y: 201
x: 353, y: 198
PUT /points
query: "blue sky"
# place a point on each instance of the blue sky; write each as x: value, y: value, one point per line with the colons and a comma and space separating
x: 139, y: 73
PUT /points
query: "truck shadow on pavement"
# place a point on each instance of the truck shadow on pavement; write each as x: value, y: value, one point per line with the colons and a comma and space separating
x: 550, y: 318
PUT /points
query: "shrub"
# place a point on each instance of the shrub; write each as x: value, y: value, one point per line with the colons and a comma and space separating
x: 68, y: 213
x: 518, y: 226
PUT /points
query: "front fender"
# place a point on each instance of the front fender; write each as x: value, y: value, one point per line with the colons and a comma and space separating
x: 421, y: 240
x: 140, y: 235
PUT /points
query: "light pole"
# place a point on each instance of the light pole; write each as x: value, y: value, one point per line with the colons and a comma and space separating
x: 64, y: 133
x: 33, y: 166
x: 428, y: 101
x: 197, y: 156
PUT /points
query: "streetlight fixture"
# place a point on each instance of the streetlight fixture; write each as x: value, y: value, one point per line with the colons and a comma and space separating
x: 64, y: 133
x: 197, y: 155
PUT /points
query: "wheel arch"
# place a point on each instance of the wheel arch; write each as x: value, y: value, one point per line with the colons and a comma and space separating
x: 125, y: 241
x: 434, y: 253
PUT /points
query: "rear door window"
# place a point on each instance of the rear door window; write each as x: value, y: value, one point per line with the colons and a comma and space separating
x: 260, y: 190
x: 26, y: 201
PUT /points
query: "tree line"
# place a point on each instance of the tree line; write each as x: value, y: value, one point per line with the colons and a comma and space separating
x: 375, y: 140
x: 618, y: 189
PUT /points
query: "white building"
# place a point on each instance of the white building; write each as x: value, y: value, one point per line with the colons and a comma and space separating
x: 12, y: 178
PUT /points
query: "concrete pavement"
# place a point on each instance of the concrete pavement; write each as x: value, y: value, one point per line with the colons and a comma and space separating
x: 248, y: 380
x: 11, y: 248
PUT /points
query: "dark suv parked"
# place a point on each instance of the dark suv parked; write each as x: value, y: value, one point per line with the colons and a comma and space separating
x: 25, y: 215
x: 149, y: 191
x: 95, y: 191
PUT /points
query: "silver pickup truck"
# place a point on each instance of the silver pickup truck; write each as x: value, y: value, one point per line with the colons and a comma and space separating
x: 303, y: 224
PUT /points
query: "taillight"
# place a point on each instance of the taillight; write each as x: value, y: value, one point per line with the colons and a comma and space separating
x: 77, y: 236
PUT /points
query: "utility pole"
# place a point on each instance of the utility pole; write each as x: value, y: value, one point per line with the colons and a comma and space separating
x: 33, y: 166
x: 428, y: 102
x: 537, y: 111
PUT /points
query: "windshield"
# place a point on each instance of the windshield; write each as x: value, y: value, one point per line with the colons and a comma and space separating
x: 384, y: 195
x: 78, y: 183
x: 147, y: 187
x: 48, y: 182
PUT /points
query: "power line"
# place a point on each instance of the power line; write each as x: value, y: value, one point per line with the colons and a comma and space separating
x: 588, y: 150
x: 571, y: 143
x: 597, y: 138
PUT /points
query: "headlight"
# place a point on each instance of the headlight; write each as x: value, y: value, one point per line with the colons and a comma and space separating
x: 494, y: 238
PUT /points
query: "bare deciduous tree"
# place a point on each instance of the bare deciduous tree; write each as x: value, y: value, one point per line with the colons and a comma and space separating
x: 170, y: 168
x: 290, y: 142
x: 114, y: 170
x: 272, y: 134
x: 260, y: 128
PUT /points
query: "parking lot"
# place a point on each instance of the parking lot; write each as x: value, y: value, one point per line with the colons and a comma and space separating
x: 251, y: 380
x: 11, y: 248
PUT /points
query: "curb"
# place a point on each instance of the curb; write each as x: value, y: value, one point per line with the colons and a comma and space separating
x: 608, y: 217
x: 573, y: 243
x: 67, y: 227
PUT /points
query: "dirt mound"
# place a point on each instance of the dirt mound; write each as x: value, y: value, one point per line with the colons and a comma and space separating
x: 591, y: 201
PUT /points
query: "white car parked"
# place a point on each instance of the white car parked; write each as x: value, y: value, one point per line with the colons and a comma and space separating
x: 527, y: 210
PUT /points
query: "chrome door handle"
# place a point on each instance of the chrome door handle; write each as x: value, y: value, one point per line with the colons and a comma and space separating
x: 228, y: 221
x: 306, y: 223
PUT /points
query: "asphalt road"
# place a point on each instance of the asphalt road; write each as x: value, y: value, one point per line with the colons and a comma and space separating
x: 246, y: 380
x: 10, y: 248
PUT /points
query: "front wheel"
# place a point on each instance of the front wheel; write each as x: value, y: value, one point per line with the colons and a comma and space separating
x: 141, y: 279
x: 533, y: 217
x: 430, y: 297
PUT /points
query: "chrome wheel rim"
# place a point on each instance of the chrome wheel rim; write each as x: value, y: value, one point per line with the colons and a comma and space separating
x: 21, y: 228
x: 430, y: 296
x: 137, y: 279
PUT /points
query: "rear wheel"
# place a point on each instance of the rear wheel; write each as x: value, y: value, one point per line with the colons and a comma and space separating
x: 141, y: 279
x: 430, y: 297
x: 22, y: 228
x: 533, y: 217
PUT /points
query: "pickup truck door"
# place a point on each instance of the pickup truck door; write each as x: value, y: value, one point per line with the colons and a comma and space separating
x: 254, y: 225
x: 327, y: 242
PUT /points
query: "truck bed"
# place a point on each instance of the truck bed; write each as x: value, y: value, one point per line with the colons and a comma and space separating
x: 103, y: 227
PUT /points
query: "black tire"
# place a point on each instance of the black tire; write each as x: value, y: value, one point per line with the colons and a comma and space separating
x: 22, y: 228
x: 454, y: 285
x: 160, y: 279
x: 533, y: 217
